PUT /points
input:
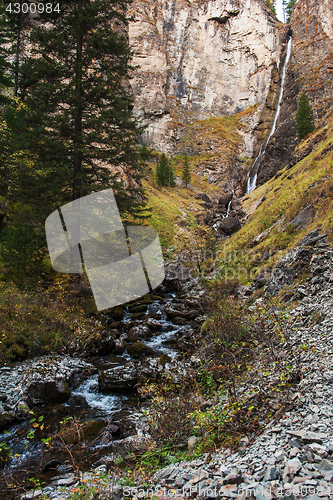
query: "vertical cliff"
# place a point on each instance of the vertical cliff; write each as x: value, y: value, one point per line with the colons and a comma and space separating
x: 310, y: 71
x: 200, y: 59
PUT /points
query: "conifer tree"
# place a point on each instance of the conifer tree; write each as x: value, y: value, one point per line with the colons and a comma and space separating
x: 161, y: 170
x: 81, y: 125
x: 186, y: 173
x: 304, y: 117
x: 164, y: 172
x: 271, y: 5
x: 288, y: 6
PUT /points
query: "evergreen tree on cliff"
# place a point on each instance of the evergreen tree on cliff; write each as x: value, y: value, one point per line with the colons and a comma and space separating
x: 304, y: 117
x: 288, y: 6
x: 81, y: 122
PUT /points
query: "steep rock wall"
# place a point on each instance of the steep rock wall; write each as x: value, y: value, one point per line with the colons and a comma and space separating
x: 199, y: 59
x: 310, y: 71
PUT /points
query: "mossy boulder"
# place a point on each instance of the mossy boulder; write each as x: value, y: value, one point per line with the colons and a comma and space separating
x: 138, y: 308
x: 136, y: 316
x: 139, y: 350
x: 117, y: 313
x: 78, y: 433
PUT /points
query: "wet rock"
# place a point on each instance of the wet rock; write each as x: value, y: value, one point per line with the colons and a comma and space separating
x: 102, y: 343
x: 179, y: 310
x: 154, y: 324
x: 6, y: 418
x: 114, y: 429
x: 53, y: 465
x: 119, y: 378
x: 79, y: 401
x: 136, y: 316
x: 225, y: 200
x: 117, y: 313
x: 229, y: 225
x: 139, y: 350
x: 179, y: 321
x: 49, y: 392
x: 139, y: 332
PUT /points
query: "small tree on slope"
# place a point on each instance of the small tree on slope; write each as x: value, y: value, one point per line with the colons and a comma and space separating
x: 304, y: 117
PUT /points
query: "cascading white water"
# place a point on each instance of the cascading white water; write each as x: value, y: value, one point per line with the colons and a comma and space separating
x: 252, y: 176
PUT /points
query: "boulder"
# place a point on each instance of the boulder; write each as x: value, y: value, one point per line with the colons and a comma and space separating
x: 117, y: 313
x: 225, y: 200
x: 139, y: 332
x: 55, y: 391
x: 102, y: 343
x: 120, y: 344
x: 154, y: 324
x: 6, y: 418
x: 303, y: 218
x: 209, y: 218
x: 229, y: 225
x: 138, y: 350
x: 204, y: 197
x: 132, y: 444
x: 121, y: 378
x: 180, y: 311
x: 86, y: 431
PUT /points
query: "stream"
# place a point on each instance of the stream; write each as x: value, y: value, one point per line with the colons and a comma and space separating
x: 86, y: 403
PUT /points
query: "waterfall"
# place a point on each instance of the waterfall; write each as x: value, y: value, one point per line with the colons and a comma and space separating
x: 228, y: 208
x: 252, y: 176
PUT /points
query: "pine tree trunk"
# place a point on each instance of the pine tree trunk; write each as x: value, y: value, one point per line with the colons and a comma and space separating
x: 78, y: 117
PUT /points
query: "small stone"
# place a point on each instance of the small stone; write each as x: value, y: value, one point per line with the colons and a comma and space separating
x: 309, y: 437
x: 292, y: 467
x: 191, y: 443
x: 325, y: 465
x: 271, y: 474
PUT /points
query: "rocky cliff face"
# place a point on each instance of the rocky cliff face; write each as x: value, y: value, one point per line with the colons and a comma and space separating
x: 200, y: 59
x: 310, y: 71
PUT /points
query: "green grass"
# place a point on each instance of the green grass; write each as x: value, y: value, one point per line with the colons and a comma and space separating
x: 38, y: 322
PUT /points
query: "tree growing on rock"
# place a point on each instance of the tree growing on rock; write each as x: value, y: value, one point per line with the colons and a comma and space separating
x: 304, y: 117
x: 271, y: 5
x: 288, y: 8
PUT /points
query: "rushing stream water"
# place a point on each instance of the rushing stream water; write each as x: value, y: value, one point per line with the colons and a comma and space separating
x: 88, y: 403
x: 253, y: 174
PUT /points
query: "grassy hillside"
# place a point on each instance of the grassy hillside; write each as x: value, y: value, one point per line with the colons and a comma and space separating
x: 271, y: 208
